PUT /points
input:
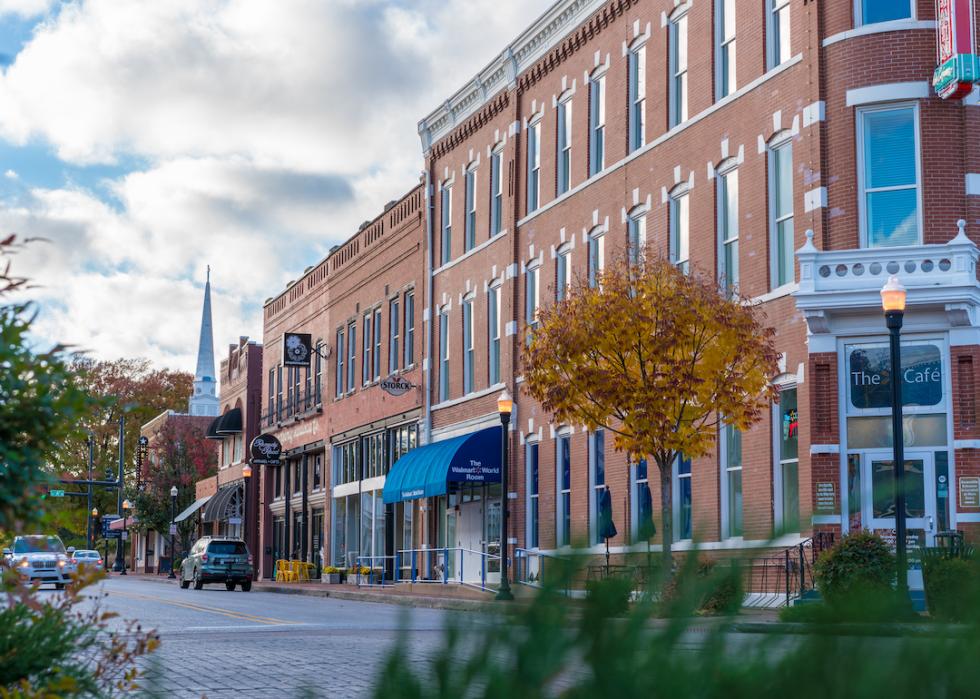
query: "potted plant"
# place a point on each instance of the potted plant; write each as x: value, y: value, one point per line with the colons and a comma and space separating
x: 333, y: 575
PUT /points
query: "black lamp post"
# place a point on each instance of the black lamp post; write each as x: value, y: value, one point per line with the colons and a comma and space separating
x: 125, y: 535
x: 247, y: 475
x: 173, y: 530
x: 505, y: 406
x: 92, y: 522
x: 893, y: 303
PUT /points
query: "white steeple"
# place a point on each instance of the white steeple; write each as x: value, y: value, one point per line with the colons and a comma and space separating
x: 204, y: 401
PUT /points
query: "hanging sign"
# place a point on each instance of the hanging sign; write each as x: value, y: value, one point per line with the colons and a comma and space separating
x: 266, y: 450
x: 297, y: 349
x: 396, y: 386
x: 958, y: 65
x: 141, y: 448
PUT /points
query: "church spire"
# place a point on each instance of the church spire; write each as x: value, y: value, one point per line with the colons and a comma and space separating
x: 204, y: 400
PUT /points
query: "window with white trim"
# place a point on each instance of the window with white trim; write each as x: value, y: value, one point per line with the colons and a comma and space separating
x: 680, y: 228
x: 787, y: 428
x: 683, y: 500
x: 728, y: 229
x: 496, y: 191
x: 279, y: 384
x: 366, y: 364
x: 446, y: 206
x: 341, y: 353
x: 597, y: 481
x: 678, y: 69
x: 888, y: 175
x: 563, y: 272
x: 469, y: 369
x: 444, y: 354
x: 643, y: 525
x: 469, y: 225
x: 781, y: 212
x: 563, y: 148
x: 394, y: 320
x: 377, y: 343
x: 351, y: 355
x: 533, y: 491
x: 636, y: 229
x: 597, y: 255
x: 637, y: 97
x: 533, y: 165
x: 873, y: 11
x: 725, y: 83
x: 731, y: 479
x: 409, y: 328
x: 563, y: 469
x: 777, y: 33
x: 493, y: 334
x: 532, y: 299
x: 597, y: 124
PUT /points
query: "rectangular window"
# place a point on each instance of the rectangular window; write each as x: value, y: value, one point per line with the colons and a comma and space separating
x: 781, y: 205
x: 872, y: 11
x: 597, y: 124
x: 279, y: 405
x: 493, y: 333
x: 277, y: 471
x: 637, y: 231
x: 683, y: 502
x: 532, y: 496
x: 596, y: 258
x: 777, y: 32
x: 469, y: 229
x: 637, y: 97
x: 377, y: 343
x: 443, y: 355
x: 889, y: 150
x: 469, y: 355
x: 725, y: 29
x: 563, y: 274
x: 564, y: 468
x: 728, y: 229
x: 351, y: 355
x: 731, y: 463
x: 394, y: 320
x: 409, y: 328
x: 366, y: 364
x: 272, y: 392
x: 496, y: 193
x: 680, y: 231
x: 446, y: 206
x: 644, y: 528
x: 318, y: 380
x: 531, y: 299
x: 678, y: 70
x: 317, y: 471
x: 597, y: 468
x: 533, y: 165
x: 788, y: 463
x: 341, y: 354
x: 563, y: 155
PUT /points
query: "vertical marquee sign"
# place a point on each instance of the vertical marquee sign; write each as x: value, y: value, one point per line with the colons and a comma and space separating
x: 958, y: 65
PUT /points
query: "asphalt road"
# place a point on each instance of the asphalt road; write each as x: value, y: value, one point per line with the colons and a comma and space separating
x: 217, y: 643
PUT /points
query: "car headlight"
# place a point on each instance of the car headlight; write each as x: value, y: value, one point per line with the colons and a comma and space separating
x: 61, y: 564
x: 24, y: 563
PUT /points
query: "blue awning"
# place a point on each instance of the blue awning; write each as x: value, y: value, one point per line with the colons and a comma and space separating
x: 426, y: 471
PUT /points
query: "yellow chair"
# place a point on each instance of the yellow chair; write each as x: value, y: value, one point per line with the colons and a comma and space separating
x: 301, y: 570
x: 284, y: 572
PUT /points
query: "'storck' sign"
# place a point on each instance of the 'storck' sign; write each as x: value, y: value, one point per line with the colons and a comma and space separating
x: 958, y: 66
x: 266, y: 450
x: 396, y: 386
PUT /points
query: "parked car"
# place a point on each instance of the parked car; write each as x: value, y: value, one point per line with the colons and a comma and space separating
x: 41, y: 557
x: 216, y: 560
x: 87, y: 557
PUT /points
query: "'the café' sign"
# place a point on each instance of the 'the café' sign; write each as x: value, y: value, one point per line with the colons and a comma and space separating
x: 869, y: 376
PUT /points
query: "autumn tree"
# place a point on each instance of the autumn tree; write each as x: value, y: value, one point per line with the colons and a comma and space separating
x: 180, y: 455
x: 658, y: 358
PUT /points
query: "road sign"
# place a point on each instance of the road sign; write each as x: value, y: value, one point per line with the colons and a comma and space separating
x: 106, y: 532
x: 173, y: 529
x: 56, y: 493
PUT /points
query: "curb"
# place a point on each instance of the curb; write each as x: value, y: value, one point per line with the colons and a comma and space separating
x: 952, y: 631
x: 401, y: 600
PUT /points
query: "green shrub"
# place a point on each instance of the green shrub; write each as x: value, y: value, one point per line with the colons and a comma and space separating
x: 951, y: 587
x: 859, y: 570
x: 708, y: 586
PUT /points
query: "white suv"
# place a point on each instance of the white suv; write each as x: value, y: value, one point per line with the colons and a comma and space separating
x: 43, y: 558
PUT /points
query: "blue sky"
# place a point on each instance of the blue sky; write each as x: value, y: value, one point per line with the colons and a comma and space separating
x: 145, y: 140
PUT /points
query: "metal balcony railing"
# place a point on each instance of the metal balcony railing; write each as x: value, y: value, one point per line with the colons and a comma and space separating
x: 296, y: 405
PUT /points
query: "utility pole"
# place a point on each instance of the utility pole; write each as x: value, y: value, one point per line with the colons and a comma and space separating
x: 120, y: 543
x: 89, y: 536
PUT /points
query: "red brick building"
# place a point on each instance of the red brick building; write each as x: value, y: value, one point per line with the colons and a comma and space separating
x: 718, y: 134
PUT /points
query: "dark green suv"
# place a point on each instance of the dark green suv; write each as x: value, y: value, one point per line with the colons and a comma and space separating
x: 214, y: 560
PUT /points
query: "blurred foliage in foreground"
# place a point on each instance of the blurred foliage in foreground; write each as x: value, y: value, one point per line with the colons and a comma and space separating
x: 550, y: 647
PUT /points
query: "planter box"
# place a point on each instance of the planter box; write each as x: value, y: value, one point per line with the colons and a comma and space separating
x: 332, y: 578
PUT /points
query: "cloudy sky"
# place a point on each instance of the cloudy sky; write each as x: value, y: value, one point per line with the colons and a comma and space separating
x: 145, y: 139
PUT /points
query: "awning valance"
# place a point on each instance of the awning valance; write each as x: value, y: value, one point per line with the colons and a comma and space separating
x: 194, y: 507
x: 224, y: 425
x: 218, y: 506
x: 426, y: 471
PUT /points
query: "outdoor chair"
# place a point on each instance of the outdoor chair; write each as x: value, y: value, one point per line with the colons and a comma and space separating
x: 284, y: 572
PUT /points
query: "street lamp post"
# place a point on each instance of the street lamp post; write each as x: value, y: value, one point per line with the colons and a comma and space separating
x: 92, y: 523
x: 893, y: 303
x: 247, y: 475
x: 173, y: 530
x: 125, y: 535
x: 505, y: 405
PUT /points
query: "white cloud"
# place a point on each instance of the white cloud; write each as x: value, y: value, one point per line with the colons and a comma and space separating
x: 10, y: 175
x: 266, y: 131
x: 25, y: 8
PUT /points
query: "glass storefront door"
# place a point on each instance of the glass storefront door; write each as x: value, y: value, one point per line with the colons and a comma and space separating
x: 878, y: 495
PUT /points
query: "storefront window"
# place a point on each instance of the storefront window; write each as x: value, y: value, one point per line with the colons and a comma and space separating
x: 682, y: 499
x: 532, y: 490
x: 883, y: 488
x: 644, y: 503
x: 732, y: 454
x: 788, y: 443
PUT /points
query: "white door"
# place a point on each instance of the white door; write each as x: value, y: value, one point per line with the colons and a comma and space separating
x: 469, y: 541
x: 920, y: 495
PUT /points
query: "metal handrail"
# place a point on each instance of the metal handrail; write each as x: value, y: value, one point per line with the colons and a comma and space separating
x: 372, y: 566
x: 438, y: 561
